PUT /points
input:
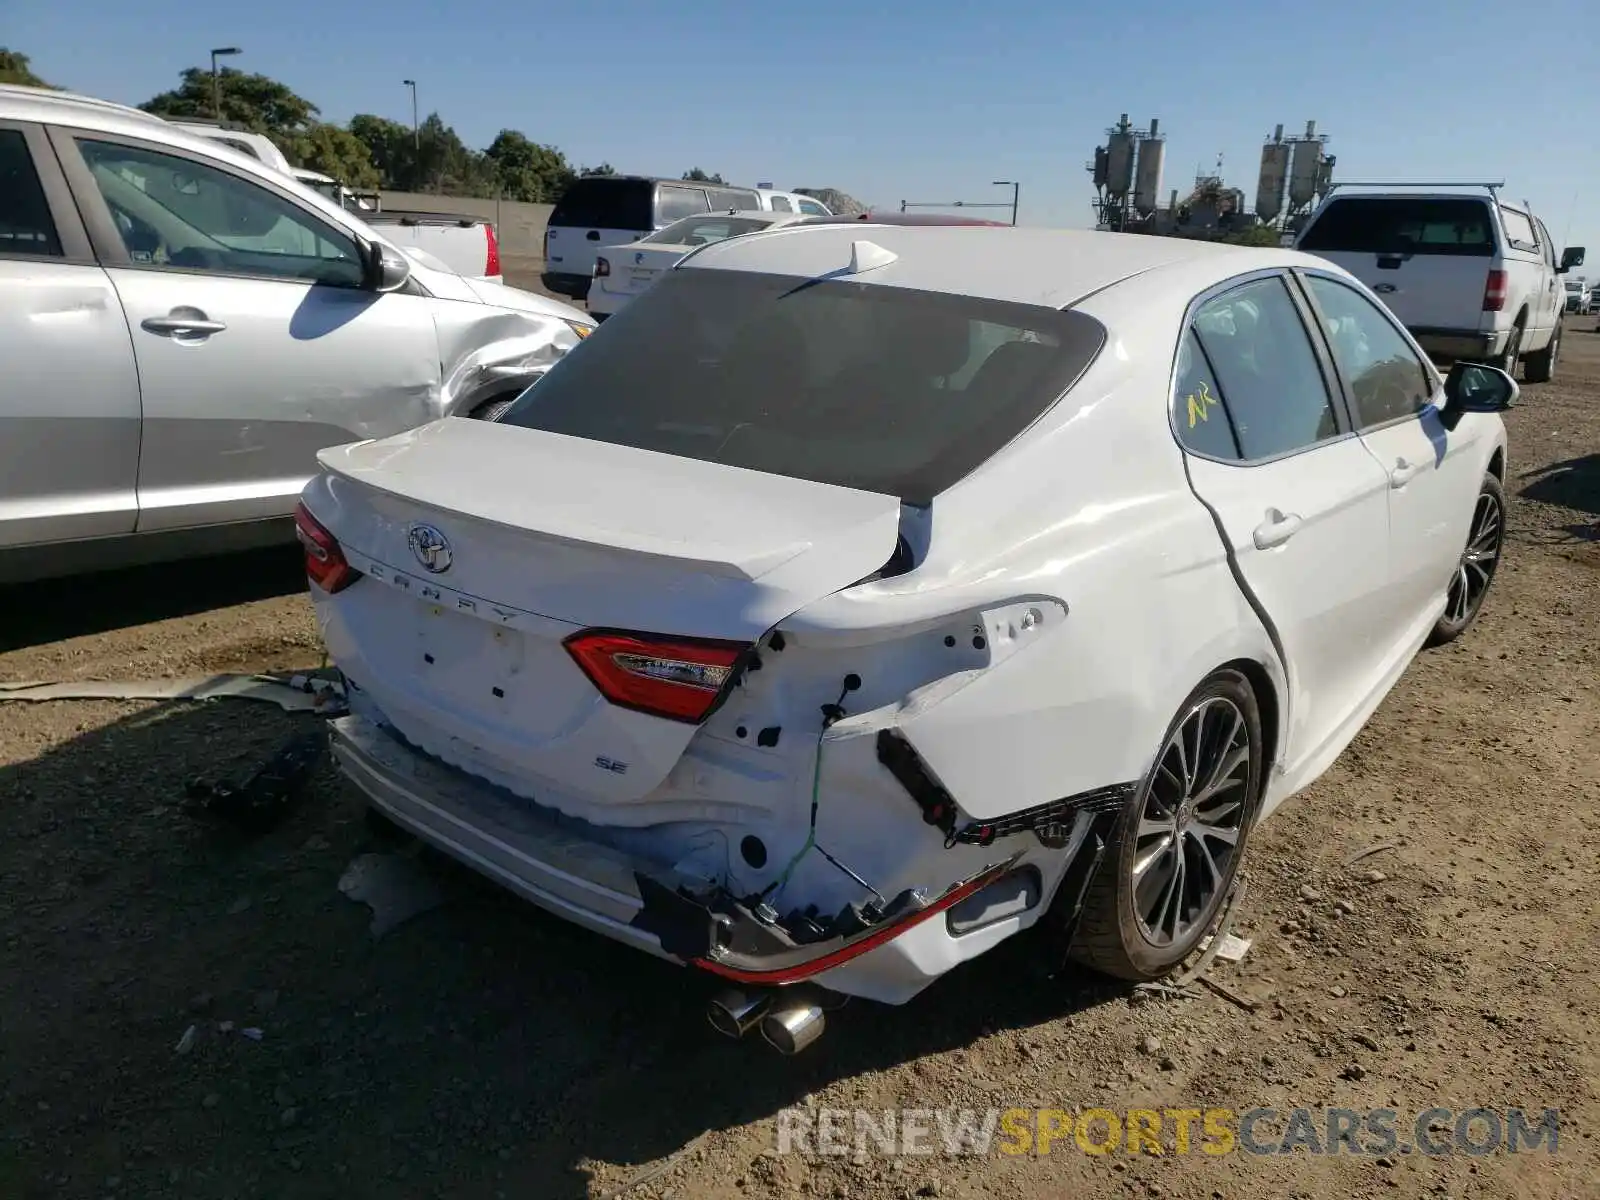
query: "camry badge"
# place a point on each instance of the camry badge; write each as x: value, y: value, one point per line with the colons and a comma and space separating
x: 431, y: 548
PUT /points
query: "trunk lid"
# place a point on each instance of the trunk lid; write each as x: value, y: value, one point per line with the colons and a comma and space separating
x: 536, y: 535
x: 635, y: 267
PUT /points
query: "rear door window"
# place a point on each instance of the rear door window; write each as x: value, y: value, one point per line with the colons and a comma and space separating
x: 673, y: 203
x: 605, y: 202
x: 1259, y: 352
x: 1402, y: 224
x: 1519, y: 230
x: 723, y: 199
x: 812, y: 208
x: 26, y: 226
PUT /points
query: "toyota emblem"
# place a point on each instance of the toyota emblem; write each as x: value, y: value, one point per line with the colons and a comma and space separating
x: 431, y: 548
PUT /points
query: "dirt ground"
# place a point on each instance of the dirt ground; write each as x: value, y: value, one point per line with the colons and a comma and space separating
x: 486, y: 1050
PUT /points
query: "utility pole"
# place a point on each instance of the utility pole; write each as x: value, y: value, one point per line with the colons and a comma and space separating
x: 416, y: 134
x: 1016, y: 192
x: 216, y: 79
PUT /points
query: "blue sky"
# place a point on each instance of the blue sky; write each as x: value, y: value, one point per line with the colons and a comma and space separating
x: 917, y: 102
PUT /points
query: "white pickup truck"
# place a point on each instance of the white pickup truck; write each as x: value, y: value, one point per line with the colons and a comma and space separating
x: 1471, y: 275
x: 465, y: 244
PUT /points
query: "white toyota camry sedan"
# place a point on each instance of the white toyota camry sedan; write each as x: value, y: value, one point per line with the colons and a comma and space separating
x: 863, y: 595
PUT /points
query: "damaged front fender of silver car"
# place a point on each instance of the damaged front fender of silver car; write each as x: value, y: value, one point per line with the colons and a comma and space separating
x: 488, y: 354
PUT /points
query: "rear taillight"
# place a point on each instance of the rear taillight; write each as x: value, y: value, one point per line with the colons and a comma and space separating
x: 682, y: 679
x: 1494, y: 292
x: 601, y: 267
x: 491, y: 262
x: 325, y: 562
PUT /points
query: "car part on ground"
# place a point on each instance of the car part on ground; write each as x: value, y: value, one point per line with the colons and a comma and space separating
x: 866, y: 594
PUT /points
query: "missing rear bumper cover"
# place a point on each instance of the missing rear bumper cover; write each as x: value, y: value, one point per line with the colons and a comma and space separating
x: 1051, y: 822
x: 721, y: 935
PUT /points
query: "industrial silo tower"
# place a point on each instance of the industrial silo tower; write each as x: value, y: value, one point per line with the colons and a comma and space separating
x: 1274, y: 174
x: 1147, y: 174
x: 1119, y: 159
x: 1306, y: 176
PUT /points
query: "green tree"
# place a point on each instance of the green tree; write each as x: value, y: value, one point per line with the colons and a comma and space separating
x: 14, y: 68
x: 390, y: 145
x: 696, y: 175
x: 527, y: 170
x: 1254, y: 235
x: 604, y: 168
x: 258, y: 103
x: 337, y: 152
x: 447, y: 166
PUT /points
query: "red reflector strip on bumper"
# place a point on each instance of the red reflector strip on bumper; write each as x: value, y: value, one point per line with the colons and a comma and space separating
x: 870, y: 940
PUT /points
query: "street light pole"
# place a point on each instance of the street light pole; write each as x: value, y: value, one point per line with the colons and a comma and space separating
x: 416, y: 135
x: 1016, y: 192
x: 216, y: 80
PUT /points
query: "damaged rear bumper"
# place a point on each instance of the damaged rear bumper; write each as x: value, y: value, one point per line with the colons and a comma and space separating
x: 559, y: 865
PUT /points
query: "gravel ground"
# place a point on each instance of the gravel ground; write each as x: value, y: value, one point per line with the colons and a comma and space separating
x: 484, y: 1049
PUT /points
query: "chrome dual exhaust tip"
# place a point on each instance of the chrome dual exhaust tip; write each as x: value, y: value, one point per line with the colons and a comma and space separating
x: 734, y: 1013
x: 793, y: 1025
x: 790, y: 1020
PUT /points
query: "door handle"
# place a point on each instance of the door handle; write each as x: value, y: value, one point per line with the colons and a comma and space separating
x: 1277, y: 529
x: 183, y: 327
x: 1403, y: 473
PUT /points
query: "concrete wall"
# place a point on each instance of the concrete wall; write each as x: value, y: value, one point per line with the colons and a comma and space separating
x: 520, y: 226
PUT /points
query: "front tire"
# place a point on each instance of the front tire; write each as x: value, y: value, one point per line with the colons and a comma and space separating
x: 491, y: 410
x: 1475, y: 570
x: 1175, y: 850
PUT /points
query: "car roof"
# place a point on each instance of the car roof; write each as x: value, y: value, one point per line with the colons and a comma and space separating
x: 19, y: 102
x: 1051, y: 267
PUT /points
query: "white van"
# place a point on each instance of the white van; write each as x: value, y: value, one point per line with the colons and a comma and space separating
x: 1471, y: 275
x: 608, y: 210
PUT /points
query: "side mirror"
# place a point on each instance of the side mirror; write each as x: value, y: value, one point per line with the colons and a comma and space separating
x: 1476, y: 388
x: 386, y: 270
x: 1571, y: 257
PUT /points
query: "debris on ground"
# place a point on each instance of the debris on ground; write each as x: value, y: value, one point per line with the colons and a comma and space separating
x: 1370, y: 851
x: 394, y: 886
x: 267, y: 794
x: 292, y: 693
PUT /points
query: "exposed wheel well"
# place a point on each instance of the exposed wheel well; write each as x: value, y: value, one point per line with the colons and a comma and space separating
x: 486, y: 402
x: 1497, y: 465
x: 1266, y: 702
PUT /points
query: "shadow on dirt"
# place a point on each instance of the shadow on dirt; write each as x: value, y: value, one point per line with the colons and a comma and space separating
x: 33, y: 614
x: 481, y: 1047
x: 1573, y: 484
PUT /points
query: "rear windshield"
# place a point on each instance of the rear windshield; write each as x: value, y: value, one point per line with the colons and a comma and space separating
x: 879, y: 388
x: 602, y: 202
x: 1397, y: 224
x: 702, y: 231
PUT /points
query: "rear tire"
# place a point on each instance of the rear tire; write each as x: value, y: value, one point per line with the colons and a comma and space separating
x: 1541, y: 367
x: 1161, y: 885
x: 1475, y: 570
x: 1507, y: 362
